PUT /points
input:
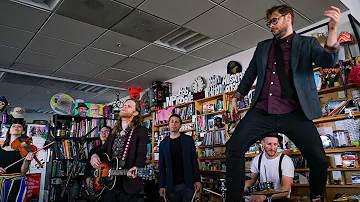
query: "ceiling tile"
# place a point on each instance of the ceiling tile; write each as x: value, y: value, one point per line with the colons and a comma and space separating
x: 40, y: 98
x: 143, y: 81
x: 32, y: 69
x: 14, y: 37
x: 315, y: 9
x: 22, y: 79
x: 187, y: 62
x: 9, y: 53
x: 143, y: 26
x: 58, y: 85
x: 216, y: 23
x: 299, y: 22
x: 105, y: 81
x: 116, y: 74
x: 67, y: 75
x: 53, y: 46
x: 103, y: 13
x: 8, y: 89
x: 99, y: 57
x: 173, y: 11
x: 157, y: 54
x: 246, y: 8
x: 26, y: 17
x: 5, y: 64
x: 86, y: 96
x: 83, y: 68
x: 110, y: 40
x: 218, y: 1
x: 132, y: 3
x: 39, y: 59
x: 215, y: 51
x: 248, y: 37
x: 135, y: 65
x: 165, y: 73
x: 71, y: 30
x: 106, y: 97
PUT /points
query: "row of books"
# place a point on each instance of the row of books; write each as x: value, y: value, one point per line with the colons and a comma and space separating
x: 299, y: 162
x: 162, y: 116
x: 66, y: 149
x: 80, y: 127
x: 214, y: 138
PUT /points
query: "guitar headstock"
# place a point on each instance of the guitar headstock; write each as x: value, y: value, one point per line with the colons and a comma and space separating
x: 145, y: 173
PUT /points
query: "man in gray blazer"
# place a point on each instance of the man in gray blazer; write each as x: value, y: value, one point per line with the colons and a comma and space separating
x: 286, y: 99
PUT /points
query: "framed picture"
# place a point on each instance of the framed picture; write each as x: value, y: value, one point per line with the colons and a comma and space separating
x: 211, y: 124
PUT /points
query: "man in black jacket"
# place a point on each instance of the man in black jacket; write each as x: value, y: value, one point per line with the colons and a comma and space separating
x: 179, y: 171
x: 127, y: 131
x: 286, y: 99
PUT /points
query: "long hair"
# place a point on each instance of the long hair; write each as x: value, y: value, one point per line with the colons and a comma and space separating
x: 8, y: 135
x: 136, y: 121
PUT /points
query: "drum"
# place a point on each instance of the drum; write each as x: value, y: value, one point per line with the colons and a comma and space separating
x: 266, y: 185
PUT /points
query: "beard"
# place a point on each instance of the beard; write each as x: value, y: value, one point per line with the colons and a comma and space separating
x: 124, y: 115
x: 280, y: 32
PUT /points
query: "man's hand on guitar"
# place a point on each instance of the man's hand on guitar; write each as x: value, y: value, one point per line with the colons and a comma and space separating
x: 132, y: 172
x: 162, y: 192
x: 89, y: 182
x: 235, y: 115
x: 95, y: 161
x: 2, y: 170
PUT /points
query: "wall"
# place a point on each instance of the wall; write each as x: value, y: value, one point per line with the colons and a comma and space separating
x: 219, y: 67
x: 30, y: 117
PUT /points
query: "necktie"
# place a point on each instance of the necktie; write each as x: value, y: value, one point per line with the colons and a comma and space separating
x: 286, y: 90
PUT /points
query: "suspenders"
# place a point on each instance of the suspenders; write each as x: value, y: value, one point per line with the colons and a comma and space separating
x: 280, y: 171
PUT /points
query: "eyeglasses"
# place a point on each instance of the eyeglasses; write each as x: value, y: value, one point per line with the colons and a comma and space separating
x: 172, y: 121
x: 104, y: 132
x: 274, y: 21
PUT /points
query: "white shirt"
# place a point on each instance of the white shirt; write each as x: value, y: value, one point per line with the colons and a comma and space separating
x: 271, y: 167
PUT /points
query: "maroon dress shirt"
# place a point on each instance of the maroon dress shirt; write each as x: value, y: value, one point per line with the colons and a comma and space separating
x: 270, y: 99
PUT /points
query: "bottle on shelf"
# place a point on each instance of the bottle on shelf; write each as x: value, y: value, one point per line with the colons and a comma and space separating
x: 4, y: 117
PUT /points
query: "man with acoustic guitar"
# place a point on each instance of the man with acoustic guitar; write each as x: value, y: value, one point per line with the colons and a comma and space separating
x: 127, y: 143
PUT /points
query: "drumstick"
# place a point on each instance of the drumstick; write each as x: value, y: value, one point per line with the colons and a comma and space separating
x: 193, y: 196
x: 165, y: 198
x: 212, y: 192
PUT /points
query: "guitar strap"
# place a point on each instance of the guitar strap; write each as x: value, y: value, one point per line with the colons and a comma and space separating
x: 126, y: 148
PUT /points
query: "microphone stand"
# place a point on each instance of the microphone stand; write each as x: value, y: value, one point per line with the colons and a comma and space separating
x: 76, y: 159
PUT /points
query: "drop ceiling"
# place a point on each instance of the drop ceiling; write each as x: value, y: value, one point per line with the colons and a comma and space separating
x: 117, y: 43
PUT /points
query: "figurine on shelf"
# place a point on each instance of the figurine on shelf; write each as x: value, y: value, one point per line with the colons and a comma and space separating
x: 329, y: 76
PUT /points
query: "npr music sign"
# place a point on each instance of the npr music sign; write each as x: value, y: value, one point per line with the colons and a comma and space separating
x: 184, y: 96
x: 229, y: 82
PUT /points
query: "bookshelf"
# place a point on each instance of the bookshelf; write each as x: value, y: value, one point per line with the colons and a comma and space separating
x: 325, y: 95
x: 68, y: 130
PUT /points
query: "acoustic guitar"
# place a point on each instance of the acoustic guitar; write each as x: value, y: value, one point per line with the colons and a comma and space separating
x: 106, y: 176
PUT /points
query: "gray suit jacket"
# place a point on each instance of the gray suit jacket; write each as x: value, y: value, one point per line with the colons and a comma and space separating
x: 304, y: 51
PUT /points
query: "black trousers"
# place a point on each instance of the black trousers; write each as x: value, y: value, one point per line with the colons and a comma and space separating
x: 254, y: 126
x: 118, y: 194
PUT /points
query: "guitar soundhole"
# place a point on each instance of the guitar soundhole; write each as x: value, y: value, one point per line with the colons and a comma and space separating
x: 96, y: 173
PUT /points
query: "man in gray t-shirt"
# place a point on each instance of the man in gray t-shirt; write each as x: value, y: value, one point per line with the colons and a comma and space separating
x: 269, y: 169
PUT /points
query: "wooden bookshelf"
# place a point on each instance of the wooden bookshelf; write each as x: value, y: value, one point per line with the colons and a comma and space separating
x: 212, y: 113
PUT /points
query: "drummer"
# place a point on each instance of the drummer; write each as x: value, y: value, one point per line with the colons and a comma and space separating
x: 273, y: 166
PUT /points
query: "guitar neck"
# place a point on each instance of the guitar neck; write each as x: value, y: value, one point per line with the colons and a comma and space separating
x: 119, y: 172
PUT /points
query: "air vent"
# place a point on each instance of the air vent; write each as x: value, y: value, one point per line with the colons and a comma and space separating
x: 184, y: 40
x: 44, y: 4
x: 90, y: 88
